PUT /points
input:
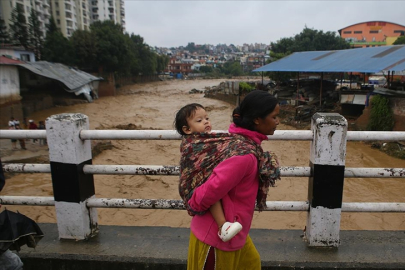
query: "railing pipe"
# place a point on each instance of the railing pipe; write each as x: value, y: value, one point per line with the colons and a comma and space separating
x: 174, y: 170
x: 376, y: 136
x: 299, y: 135
x: 27, y: 200
x: 22, y: 134
x: 178, y: 204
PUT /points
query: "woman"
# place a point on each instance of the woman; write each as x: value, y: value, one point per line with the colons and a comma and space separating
x: 240, y: 180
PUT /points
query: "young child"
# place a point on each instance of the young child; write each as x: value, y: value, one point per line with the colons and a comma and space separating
x: 193, y: 119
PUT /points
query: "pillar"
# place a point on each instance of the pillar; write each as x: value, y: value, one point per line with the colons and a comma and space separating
x: 325, y: 189
x: 71, y: 187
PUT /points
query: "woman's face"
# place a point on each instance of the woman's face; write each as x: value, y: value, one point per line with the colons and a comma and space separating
x: 268, y: 125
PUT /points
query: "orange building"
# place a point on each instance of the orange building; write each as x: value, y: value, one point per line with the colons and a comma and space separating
x: 372, y: 33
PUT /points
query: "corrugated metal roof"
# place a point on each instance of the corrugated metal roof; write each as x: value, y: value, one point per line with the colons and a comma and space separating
x: 366, y: 60
x: 71, y: 77
x: 9, y: 61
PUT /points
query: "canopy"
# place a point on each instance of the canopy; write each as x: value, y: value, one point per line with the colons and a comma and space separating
x: 364, y: 60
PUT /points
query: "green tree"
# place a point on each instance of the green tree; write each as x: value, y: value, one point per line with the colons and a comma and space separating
x: 309, y: 40
x: 232, y: 68
x: 400, y: 40
x: 18, y: 26
x: 4, y: 35
x: 36, y: 36
x: 206, y: 69
x: 381, y: 116
x: 85, y: 49
x: 56, y: 47
x: 112, y: 47
x: 162, y: 62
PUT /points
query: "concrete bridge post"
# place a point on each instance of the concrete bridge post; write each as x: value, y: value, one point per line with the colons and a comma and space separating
x: 325, y: 188
x: 71, y: 187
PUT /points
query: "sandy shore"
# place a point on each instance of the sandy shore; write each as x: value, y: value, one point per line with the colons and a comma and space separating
x: 153, y: 105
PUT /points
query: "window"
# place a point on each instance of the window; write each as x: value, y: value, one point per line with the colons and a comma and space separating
x: 399, y: 31
x: 25, y: 57
x: 347, y: 32
x: 374, y: 32
x: 358, y: 32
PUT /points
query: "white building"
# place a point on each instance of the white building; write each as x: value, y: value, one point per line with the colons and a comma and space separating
x: 69, y: 15
x: 113, y: 10
x: 41, y: 6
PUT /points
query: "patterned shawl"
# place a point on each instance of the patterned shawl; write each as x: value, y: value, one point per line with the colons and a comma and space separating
x: 201, y: 153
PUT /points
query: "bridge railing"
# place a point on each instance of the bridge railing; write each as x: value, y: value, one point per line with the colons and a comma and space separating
x: 72, y: 171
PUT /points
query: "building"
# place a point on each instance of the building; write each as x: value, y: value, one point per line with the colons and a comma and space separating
x: 113, y: 10
x: 69, y: 15
x: 43, y: 8
x: 372, y: 33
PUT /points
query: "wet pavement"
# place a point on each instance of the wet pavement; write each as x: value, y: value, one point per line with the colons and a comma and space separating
x: 126, y: 247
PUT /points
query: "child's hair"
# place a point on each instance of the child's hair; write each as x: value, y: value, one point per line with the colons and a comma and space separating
x: 257, y: 103
x: 181, y: 116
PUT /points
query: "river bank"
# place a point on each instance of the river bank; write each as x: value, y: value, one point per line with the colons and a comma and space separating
x: 153, y: 106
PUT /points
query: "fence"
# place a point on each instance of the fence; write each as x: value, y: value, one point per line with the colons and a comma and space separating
x: 72, y: 171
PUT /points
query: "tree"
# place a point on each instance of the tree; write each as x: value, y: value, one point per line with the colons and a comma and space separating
x: 162, y: 62
x: 112, y: 47
x: 85, y: 49
x: 56, y: 47
x: 18, y: 26
x: 232, y: 68
x: 36, y: 36
x: 4, y: 35
x: 310, y: 40
x: 399, y: 41
x: 381, y: 116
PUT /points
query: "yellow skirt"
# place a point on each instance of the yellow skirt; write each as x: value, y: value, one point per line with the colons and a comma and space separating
x: 246, y: 258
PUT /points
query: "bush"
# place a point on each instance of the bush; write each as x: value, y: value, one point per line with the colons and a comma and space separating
x: 244, y: 86
x: 381, y: 117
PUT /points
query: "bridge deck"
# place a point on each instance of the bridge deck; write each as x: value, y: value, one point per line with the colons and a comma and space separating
x: 119, y: 247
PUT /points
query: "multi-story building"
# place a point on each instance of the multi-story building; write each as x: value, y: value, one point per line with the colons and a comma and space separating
x: 108, y: 10
x: 372, y: 33
x: 41, y: 6
x: 69, y: 15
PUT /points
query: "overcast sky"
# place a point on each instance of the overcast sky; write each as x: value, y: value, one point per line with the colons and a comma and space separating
x: 176, y: 23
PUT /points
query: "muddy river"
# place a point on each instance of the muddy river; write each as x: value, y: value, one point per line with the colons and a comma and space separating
x: 153, y: 105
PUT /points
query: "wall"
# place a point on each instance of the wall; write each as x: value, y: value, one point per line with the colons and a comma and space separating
x: 10, y: 84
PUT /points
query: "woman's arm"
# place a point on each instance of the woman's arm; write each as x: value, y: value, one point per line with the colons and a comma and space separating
x: 224, y: 178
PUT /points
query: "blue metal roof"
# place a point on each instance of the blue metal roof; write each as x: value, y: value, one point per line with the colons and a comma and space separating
x: 365, y: 60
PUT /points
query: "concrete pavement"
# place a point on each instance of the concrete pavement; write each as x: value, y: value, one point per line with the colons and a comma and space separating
x: 124, y: 248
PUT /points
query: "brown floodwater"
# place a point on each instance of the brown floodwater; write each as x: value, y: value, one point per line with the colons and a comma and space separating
x: 153, y: 105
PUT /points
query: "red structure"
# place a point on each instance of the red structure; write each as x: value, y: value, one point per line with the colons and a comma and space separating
x: 177, y: 67
x: 372, y: 33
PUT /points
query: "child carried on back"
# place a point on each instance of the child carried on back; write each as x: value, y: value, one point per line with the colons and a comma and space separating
x: 201, y: 151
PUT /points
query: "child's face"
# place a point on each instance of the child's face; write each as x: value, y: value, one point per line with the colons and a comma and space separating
x: 198, y: 122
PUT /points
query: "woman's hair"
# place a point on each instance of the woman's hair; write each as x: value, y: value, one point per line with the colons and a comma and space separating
x: 256, y: 104
x: 181, y: 116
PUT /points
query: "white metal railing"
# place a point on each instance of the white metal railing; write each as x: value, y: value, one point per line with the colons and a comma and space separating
x: 175, y: 170
x: 299, y: 135
x: 91, y: 202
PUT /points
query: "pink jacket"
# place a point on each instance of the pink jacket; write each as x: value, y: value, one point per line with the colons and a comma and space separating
x: 235, y: 182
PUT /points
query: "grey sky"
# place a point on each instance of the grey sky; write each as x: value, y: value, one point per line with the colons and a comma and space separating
x: 175, y: 23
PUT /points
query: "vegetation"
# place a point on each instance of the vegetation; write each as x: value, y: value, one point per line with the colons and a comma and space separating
x: 4, y: 36
x: 399, y: 41
x: 381, y: 117
x: 245, y: 87
x: 18, y: 27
